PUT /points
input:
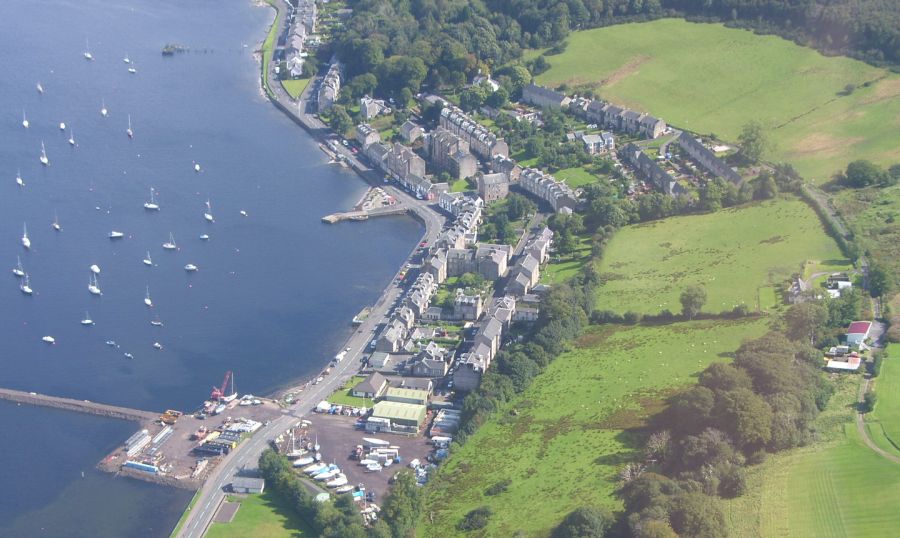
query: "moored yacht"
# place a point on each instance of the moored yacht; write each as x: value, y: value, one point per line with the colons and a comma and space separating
x: 25, y: 123
x: 170, y: 244
x: 43, y: 158
x: 95, y: 269
x: 148, y: 261
x: 55, y: 225
x: 19, y: 181
x: 208, y: 214
x: 87, y: 319
x: 25, y: 241
x: 87, y: 51
x: 94, y: 286
x: 103, y: 111
x: 116, y: 235
x: 147, y: 300
x: 18, y: 270
x: 152, y: 205
x: 49, y: 339
x: 129, y: 131
x: 190, y: 268
x: 25, y: 286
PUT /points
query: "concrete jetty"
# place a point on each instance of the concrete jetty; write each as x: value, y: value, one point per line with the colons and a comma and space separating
x: 80, y: 406
x: 365, y: 214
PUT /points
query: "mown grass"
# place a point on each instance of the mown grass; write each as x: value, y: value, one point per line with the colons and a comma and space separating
x: 562, y: 269
x: 343, y: 395
x: 295, y: 87
x: 711, y: 79
x: 268, y: 47
x: 733, y: 253
x: 562, y: 442
x: 262, y: 516
x: 576, y: 177
x: 834, y: 487
x: 884, y: 422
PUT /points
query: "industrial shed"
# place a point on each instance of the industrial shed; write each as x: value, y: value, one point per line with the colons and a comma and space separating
x: 403, y: 416
x: 409, y: 396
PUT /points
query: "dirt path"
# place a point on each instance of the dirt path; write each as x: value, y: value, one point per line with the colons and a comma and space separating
x: 864, y: 432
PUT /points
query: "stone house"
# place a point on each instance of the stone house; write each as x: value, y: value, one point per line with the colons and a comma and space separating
x: 366, y: 135
x: 371, y: 108
x: 542, y: 97
x: 492, y: 187
x: 410, y: 132
x: 450, y: 153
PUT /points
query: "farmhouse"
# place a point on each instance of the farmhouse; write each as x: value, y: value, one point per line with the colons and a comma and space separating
x: 858, y: 332
x: 371, y: 387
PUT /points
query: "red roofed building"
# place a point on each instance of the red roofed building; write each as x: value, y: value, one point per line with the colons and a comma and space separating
x: 858, y: 332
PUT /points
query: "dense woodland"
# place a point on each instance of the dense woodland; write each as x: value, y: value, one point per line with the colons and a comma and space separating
x: 399, y: 45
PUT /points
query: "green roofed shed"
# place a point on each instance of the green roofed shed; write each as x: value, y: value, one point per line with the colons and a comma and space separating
x: 405, y: 414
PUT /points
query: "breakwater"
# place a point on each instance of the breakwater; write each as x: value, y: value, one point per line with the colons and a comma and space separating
x: 79, y: 406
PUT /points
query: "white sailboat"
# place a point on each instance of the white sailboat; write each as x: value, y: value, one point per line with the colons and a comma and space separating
x: 170, y: 244
x: 19, y: 181
x: 147, y: 300
x: 152, y: 205
x: 148, y: 261
x: 87, y: 319
x: 25, y: 123
x: 25, y: 286
x: 49, y: 339
x: 208, y: 214
x: 43, y: 158
x: 196, y: 167
x: 204, y: 237
x: 40, y: 88
x: 126, y: 59
x: 116, y: 235
x: 94, y: 286
x: 87, y: 51
x: 55, y: 224
x: 132, y: 69
x: 18, y: 270
x: 71, y: 137
x: 129, y: 131
x: 190, y: 268
x: 62, y: 126
x: 156, y: 322
x: 25, y: 241
x: 103, y: 111
x: 95, y: 269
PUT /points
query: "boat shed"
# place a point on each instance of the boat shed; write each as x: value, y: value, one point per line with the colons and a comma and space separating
x: 406, y: 395
x: 243, y: 484
x: 404, y: 417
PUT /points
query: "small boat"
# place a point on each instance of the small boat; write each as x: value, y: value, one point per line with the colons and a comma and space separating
x: 208, y: 214
x: 43, y: 158
x: 95, y: 269
x: 147, y: 300
x: 25, y: 286
x: 204, y: 237
x: 152, y: 205
x: 87, y: 319
x: 196, y: 167
x: 126, y: 59
x: 339, y: 480
x: 303, y: 461
x: 18, y: 270
x: 147, y: 261
x: 19, y: 181
x: 71, y: 137
x: 25, y: 123
x: 376, y: 442
x: 103, y: 111
x: 62, y: 126
x: 157, y: 345
x: 374, y: 467
x: 366, y: 462
x: 112, y: 343
x: 94, y: 286
x: 316, y: 446
x: 129, y: 356
x: 345, y: 489
x: 156, y: 322
x: 170, y: 244
x: 331, y: 472
x: 87, y: 51
x: 40, y: 89
x: 55, y: 225
x: 313, y: 468
x: 25, y: 241
x: 132, y: 70
x: 116, y: 235
x: 190, y: 268
x: 243, y: 213
x: 49, y: 339
x: 129, y: 131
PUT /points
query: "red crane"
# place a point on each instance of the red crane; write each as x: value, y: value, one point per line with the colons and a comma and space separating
x: 219, y: 392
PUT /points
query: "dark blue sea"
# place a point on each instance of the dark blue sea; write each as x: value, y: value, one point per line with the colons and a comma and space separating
x: 275, y: 289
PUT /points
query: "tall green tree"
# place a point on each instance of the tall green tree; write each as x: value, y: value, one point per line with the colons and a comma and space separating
x: 753, y: 141
x: 692, y: 300
x: 403, y: 504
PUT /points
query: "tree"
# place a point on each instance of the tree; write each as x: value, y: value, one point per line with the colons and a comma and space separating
x: 498, y: 99
x: 879, y: 280
x: 585, y: 522
x: 805, y: 320
x: 517, y: 206
x: 863, y: 173
x: 475, y: 519
x: 402, y: 506
x: 697, y: 515
x: 692, y: 300
x: 753, y: 142
x: 721, y: 377
x: 746, y: 416
x: 340, y: 121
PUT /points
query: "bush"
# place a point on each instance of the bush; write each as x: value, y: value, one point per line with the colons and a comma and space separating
x: 476, y: 519
x: 869, y: 401
x: 876, y: 365
x: 585, y: 522
x: 498, y: 488
x: 741, y: 310
x: 632, y: 318
x: 757, y: 457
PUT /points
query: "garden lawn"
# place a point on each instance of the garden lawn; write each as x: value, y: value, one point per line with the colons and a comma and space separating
x: 732, y: 253
x: 711, y: 79
x: 576, y: 177
x: 561, y: 270
x: 262, y: 516
x: 295, y: 87
x: 832, y: 488
x: 343, y: 395
x: 563, y: 441
x: 460, y: 185
x: 884, y: 422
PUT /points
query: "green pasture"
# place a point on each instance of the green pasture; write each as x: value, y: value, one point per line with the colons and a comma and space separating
x: 295, y: 87
x: 563, y: 441
x: 261, y: 516
x: 734, y: 253
x: 711, y: 79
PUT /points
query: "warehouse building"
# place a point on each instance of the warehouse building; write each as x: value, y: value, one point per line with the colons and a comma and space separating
x: 406, y: 395
x: 398, y: 417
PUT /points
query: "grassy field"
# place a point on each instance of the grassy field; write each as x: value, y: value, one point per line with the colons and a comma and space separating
x: 295, y: 87
x: 564, y: 439
x: 562, y: 270
x: 268, y: 47
x: 833, y: 488
x: 874, y: 216
x: 884, y: 422
x: 261, y: 516
x: 342, y: 396
x: 576, y: 177
x: 734, y: 253
x: 712, y: 79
